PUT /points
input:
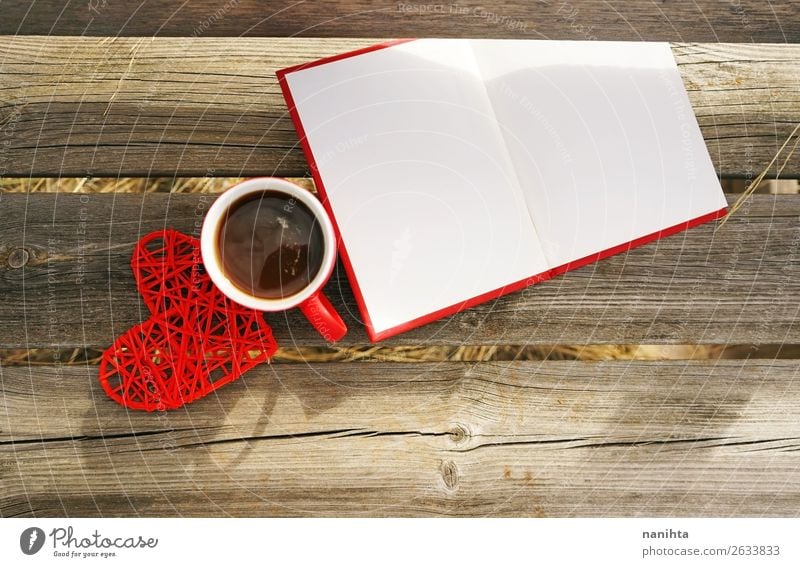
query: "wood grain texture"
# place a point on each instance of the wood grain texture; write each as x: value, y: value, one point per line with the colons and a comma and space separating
x: 65, y: 281
x: 206, y: 106
x: 511, y: 439
x: 703, y: 20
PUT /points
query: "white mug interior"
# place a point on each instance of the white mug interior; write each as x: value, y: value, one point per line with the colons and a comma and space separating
x: 209, y: 243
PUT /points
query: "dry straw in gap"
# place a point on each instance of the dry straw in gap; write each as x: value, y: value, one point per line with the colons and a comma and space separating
x: 757, y: 181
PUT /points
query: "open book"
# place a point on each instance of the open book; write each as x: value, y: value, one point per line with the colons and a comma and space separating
x: 459, y: 170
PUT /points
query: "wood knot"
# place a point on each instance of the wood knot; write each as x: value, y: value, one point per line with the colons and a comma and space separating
x: 469, y: 320
x: 460, y: 434
x: 6, y: 466
x: 449, y: 474
x: 18, y: 258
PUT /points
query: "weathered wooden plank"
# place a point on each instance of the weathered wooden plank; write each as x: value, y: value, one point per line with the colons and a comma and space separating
x: 525, y: 438
x: 704, y: 20
x: 65, y: 280
x: 197, y: 106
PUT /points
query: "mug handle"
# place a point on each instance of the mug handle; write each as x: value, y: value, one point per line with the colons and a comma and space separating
x: 322, y: 315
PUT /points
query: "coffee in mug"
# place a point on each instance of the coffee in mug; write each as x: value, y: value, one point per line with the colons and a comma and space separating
x: 268, y: 244
x: 271, y: 245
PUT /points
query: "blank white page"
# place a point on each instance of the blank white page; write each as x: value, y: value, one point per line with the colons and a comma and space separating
x: 418, y: 177
x: 603, y: 139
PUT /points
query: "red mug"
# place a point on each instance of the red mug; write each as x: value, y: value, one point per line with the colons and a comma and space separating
x: 310, y: 299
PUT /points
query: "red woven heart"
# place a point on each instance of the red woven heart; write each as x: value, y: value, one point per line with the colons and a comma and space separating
x: 197, y: 339
x: 168, y: 270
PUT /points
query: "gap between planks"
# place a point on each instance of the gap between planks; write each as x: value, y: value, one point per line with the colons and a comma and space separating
x: 465, y: 353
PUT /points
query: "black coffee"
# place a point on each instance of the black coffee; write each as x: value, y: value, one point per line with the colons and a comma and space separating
x: 271, y: 245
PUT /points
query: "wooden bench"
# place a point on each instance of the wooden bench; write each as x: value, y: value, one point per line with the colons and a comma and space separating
x: 380, y: 437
